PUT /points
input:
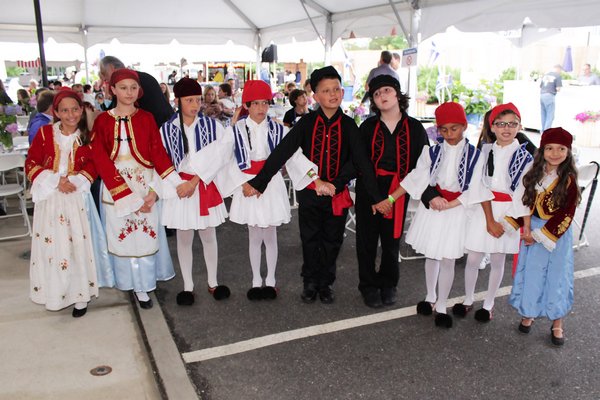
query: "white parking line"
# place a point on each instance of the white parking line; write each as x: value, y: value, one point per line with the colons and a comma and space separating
x: 301, y: 333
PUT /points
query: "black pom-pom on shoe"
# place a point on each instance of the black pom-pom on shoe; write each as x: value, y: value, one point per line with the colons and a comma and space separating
x: 269, y: 292
x: 483, y: 315
x: 254, y: 294
x: 185, y: 298
x: 424, y: 308
x: 220, y: 292
x: 443, y: 320
x: 460, y: 310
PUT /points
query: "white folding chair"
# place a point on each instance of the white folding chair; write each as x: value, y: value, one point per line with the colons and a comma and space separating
x: 587, y: 177
x: 351, y: 221
x: 10, y: 162
x: 413, y: 204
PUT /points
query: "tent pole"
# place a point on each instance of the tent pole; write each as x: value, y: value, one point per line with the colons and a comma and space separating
x: 85, y: 57
x: 328, y: 40
x: 258, y: 55
x: 40, y: 37
x: 413, y: 42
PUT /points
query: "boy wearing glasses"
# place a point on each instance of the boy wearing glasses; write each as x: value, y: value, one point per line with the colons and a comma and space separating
x: 329, y: 139
x: 506, y: 161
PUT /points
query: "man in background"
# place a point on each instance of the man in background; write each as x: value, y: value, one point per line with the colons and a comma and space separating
x: 550, y: 85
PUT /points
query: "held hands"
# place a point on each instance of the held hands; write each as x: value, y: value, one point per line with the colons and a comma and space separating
x: 65, y: 185
x: 324, y: 188
x: 495, y: 228
x: 149, y: 201
x: 438, y: 203
x: 384, y: 207
x: 186, y: 189
x: 249, y: 191
x: 527, y: 237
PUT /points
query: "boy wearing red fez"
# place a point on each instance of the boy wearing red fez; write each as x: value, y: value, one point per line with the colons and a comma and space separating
x: 127, y: 145
x: 330, y: 140
x: 543, y: 283
x: 505, y: 163
x: 67, y: 246
x: 447, y: 179
x: 198, y: 206
x: 248, y: 143
x: 394, y: 142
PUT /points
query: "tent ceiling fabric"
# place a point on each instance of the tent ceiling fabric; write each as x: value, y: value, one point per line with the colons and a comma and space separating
x: 243, y: 22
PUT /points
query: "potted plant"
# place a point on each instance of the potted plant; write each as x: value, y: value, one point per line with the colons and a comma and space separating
x: 8, y: 125
x: 588, y: 134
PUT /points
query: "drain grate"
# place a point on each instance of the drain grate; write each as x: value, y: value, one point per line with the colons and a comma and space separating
x: 101, y: 370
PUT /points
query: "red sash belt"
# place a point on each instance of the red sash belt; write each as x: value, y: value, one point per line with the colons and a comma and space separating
x: 209, y: 194
x: 398, y: 213
x: 448, y: 195
x: 339, y: 202
x: 499, y: 196
x: 255, y: 167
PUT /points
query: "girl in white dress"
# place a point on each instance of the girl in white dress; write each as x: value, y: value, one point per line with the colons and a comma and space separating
x: 199, y: 205
x: 59, y: 164
x: 447, y: 179
x: 505, y: 162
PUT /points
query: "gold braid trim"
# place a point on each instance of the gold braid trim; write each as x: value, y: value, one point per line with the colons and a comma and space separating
x: 548, y: 234
x: 88, y: 176
x: 541, y: 198
x: 33, y: 171
x: 119, y: 189
x: 167, y: 172
x: 512, y: 222
x: 147, y: 164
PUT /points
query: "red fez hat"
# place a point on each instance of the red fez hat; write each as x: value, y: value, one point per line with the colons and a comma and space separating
x: 500, y: 108
x: 125, y: 73
x: 62, y: 94
x: 450, y: 113
x: 556, y: 136
x: 187, y: 87
x: 256, y: 90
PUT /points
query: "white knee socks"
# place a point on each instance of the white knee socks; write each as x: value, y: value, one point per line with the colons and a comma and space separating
x: 497, y: 261
x: 256, y: 237
x: 432, y: 270
x: 185, y: 239
x: 208, y: 237
x: 471, y: 273
x: 445, y: 280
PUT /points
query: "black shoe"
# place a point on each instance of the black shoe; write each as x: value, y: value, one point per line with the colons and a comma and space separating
x: 460, y: 310
x: 483, y: 315
x: 424, y: 308
x: 185, y: 298
x: 269, y: 292
x: 372, y: 298
x: 388, y: 296
x: 79, y: 312
x: 220, y: 292
x: 557, y: 341
x: 254, y: 294
x: 443, y: 320
x: 146, y: 305
x: 309, y: 294
x: 326, y: 295
x: 525, y: 328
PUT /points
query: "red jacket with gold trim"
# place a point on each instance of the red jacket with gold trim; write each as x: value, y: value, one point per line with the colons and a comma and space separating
x: 145, y: 146
x: 44, y: 154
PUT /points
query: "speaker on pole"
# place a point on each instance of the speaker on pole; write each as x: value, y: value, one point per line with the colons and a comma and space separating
x: 269, y: 54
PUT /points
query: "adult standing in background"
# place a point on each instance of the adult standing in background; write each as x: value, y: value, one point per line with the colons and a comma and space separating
x: 587, y: 77
x: 152, y: 99
x: 549, y: 86
x: 384, y: 68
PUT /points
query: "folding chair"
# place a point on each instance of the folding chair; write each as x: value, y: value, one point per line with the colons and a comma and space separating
x: 587, y: 176
x: 10, y: 162
x: 351, y: 221
x: 413, y: 204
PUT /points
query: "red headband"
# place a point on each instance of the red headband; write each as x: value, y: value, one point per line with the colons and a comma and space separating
x: 256, y: 90
x: 124, y: 73
x: 450, y: 113
x: 556, y: 136
x: 500, y: 108
x: 63, y: 94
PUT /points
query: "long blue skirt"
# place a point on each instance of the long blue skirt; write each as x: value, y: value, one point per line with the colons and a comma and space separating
x: 543, y: 283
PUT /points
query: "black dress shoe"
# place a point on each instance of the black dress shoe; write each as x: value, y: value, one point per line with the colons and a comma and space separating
x: 309, y: 294
x: 185, y: 298
x: 424, y: 308
x: 443, y: 320
x: 146, y: 305
x: 254, y: 294
x: 388, y: 296
x: 372, y: 298
x: 525, y: 328
x: 269, y: 292
x: 326, y: 295
x: 79, y: 312
x: 557, y: 341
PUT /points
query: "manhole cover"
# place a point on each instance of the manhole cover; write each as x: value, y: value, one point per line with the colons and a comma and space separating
x: 101, y: 370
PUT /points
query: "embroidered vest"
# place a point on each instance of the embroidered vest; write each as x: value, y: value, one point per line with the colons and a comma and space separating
x: 205, y: 132
x: 469, y: 158
x: 242, y: 154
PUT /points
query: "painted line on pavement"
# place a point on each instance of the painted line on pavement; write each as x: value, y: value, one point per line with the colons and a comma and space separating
x: 336, y: 326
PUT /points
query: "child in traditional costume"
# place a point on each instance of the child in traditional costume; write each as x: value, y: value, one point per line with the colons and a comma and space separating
x: 543, y: 283
x: 505, y: 163
x: 68, y: 249
x: 447, y: 179
x: 128, y: 148
x: 394, y: 142
x: 331, y: 141
x: 199, y: 206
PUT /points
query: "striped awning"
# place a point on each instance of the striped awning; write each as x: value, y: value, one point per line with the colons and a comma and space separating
x: 29, y: 64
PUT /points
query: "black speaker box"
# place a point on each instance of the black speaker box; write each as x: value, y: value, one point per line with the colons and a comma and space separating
x: 269, y: 54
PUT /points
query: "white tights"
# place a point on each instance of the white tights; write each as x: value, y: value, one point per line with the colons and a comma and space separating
x: 185, y: 239
x: 497, y: 261
x: 257, y: 236
x: 439, y: 272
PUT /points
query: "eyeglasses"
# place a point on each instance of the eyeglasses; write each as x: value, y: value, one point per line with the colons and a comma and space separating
x: 502, y: 124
